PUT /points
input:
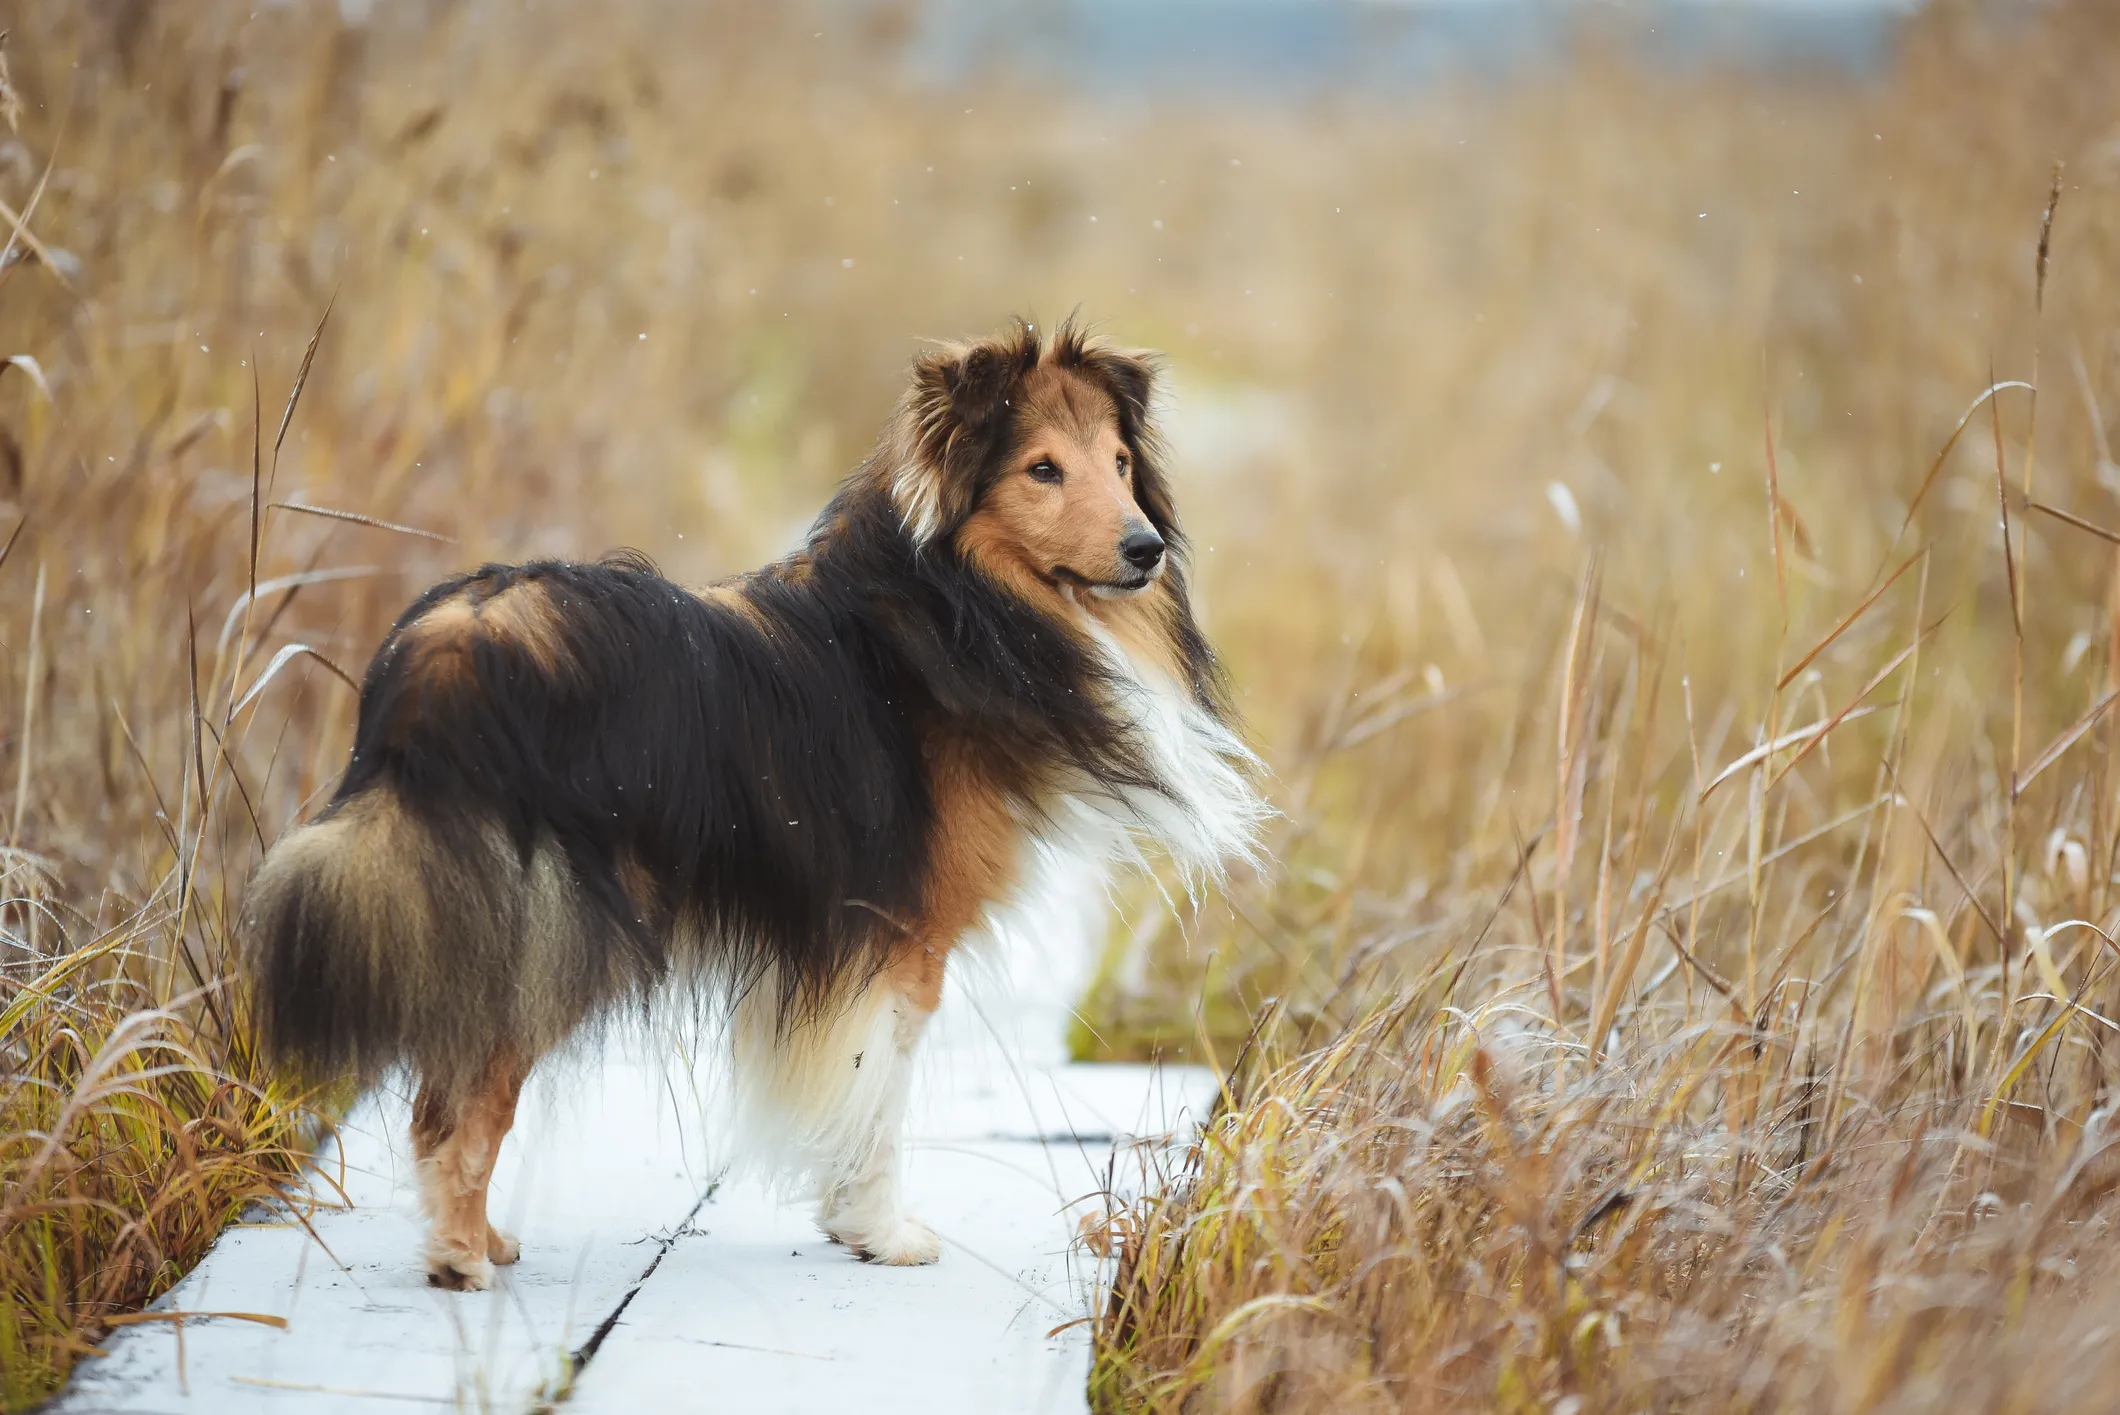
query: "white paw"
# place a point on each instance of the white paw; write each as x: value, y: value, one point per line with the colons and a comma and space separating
x: 459, y: 1270
x: 908, y: 1243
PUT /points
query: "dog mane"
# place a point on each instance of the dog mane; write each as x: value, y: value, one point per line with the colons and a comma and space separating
x: 1030, y: 692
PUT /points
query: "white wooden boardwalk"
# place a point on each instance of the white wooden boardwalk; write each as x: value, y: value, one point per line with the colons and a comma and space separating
x: 649, y: 1284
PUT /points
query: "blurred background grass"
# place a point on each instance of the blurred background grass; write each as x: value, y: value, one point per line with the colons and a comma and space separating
x: 1475, y: 355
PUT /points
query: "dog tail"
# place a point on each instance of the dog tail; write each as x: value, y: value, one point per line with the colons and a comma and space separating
x: 377, y: 935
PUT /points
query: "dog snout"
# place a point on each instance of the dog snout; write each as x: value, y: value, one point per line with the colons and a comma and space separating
x: 1143, y: 549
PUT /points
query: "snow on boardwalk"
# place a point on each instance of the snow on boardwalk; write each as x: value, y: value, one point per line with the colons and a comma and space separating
x: 645, y: 1285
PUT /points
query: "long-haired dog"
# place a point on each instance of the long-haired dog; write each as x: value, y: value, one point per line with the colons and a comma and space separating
x: 798, y: 790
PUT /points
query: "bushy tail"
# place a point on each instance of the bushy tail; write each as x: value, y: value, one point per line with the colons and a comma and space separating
x: 374, y: 936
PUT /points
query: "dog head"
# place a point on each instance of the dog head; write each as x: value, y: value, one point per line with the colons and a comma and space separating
x: 1037, y: 461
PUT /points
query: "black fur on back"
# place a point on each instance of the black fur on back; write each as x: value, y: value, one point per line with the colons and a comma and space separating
x: 727, y: 786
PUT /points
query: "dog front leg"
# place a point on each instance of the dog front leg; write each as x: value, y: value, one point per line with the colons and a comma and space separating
x: 860, y: 1201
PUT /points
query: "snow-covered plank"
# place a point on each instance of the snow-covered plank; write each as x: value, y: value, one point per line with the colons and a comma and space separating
x: 599, y: 1181
x: 597, y: 1168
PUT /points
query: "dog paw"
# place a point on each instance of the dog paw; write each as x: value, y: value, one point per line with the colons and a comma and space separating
x: 459, y: 1271
x: 502, y: 1249
x: 908, y: 1243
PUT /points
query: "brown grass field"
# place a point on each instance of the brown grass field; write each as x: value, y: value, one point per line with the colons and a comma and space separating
x: 1688, y: 977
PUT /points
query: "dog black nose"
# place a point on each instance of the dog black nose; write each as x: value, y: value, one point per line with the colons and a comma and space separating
x: 1142, y: 549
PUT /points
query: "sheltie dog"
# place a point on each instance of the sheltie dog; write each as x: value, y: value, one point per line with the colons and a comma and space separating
x: 795, y: 792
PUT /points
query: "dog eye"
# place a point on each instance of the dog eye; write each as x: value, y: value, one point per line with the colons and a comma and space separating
x: 1046, y: 472
x: 1124, y: 467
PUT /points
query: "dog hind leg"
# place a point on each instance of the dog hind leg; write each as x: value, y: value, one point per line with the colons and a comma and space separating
x: 456, y: 1138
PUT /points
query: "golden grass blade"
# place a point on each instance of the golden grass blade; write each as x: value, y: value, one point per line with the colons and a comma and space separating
x: 1374, y: 723
x: 1877, y: 681
x: 1940, y: 943
x: 31, y: 369
x: 1226, y: 1329
x: 139, y: 757
x: 39, y: 990
x: 126, y: 1319
x: 2002, y: 499
x: 301, y: 381
x: 1810, y: 732
x: 1501, y: 902
x: 2069, y: 517
x: 2070, y: 735
x: 350, y: 1392
x: 2046, y: 241
x: 298, y: 579
x: 12, y: 104
x: 28, y: 238
x: 286, y: 654
x: 2095, y: 416
x: 1706, y: 974
x: 195, y: 711
x: 1781, y: 569
x: 10, y: 99
x: 1783, y: 851
x: 2012, y: 565
x: 32, y: 680
x: 1570, y: 765
x: 2043, y: 958
x: 358, y: 519
x: 257, y: 473
x: 235, y: 777
x: 1848, y: 622
x: 1949, y: 865
x: 8, y: 548
x: 1949, y: 443
x: 1614, y: 986
x: 2030, y: 1053
x: 2111, y: 945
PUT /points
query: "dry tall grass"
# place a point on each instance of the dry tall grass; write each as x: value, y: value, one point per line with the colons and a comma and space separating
x: 1692, y: 986
x: 1472, y: 400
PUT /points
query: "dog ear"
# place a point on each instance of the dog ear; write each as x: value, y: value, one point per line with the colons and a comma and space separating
x: 957, y: 416
x: 1128, y: 378
x: 977, y: 384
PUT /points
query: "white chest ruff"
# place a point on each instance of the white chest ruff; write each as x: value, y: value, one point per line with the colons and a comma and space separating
x: 1208, y: 814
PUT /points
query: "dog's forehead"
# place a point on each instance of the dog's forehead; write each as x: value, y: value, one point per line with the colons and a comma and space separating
x: 1066, y: 402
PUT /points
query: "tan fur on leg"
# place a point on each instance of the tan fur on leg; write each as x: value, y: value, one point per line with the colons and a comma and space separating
x: 455, y: 1142
x: 975, y: 852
